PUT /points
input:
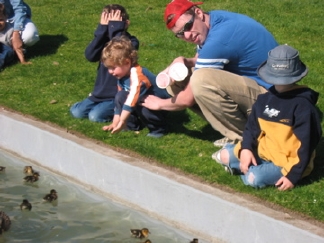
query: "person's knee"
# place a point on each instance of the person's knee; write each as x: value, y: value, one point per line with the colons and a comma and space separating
x: 75, y: 112
x: 254, y: 180
x: 30, y: 34
x: 224, y: 156
x: 94, y: 118
x: 31, y: 39
x: 205, y: 79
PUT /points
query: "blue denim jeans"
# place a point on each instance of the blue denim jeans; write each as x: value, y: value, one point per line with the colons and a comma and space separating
x: 264, y: 174
x: 7, y: 54
x: 95, y: 111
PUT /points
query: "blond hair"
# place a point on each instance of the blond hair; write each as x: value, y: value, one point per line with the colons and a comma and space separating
x: 118, y: 51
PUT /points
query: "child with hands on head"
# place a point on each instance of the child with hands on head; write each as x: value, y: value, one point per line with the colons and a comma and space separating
x: 134, y: 81
x: 283, y: 129
x: 99, y: 105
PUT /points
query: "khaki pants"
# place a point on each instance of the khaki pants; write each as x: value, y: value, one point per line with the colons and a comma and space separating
x: 225, y: 99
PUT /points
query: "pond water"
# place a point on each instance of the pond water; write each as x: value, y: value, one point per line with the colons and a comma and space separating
x: 77, y: 216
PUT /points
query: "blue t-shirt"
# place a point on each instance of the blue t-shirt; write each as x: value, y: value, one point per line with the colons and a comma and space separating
x: 237, y: 44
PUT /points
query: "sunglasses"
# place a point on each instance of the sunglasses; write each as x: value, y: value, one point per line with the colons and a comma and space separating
x: 186, y: 27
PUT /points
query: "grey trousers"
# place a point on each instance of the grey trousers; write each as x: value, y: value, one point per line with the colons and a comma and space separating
x: 225, y: 99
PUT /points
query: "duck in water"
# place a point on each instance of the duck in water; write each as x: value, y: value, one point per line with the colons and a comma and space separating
x: 2, y: 168
x: 5, y: 222
x: 32, y: 178
x: 140, y: 233
x: 52, y: 196
x: 28, y: 170
x: 25, y: 205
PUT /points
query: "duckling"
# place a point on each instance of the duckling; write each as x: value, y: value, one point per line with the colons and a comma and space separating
x: 2, y: 168
x: 194, y: 240
x: 32, y: 178
x: 28, y: 170
x: 52, y: 196
x: 147, y: 241
x: 140, y: 233
x: 25, y: 205
x: 5, y: 222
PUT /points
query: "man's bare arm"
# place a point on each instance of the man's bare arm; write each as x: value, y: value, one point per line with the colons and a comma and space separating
x: 181, y: 101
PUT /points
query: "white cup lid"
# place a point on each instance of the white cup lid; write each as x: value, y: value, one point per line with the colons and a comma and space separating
x: 162, y: 80
x: 178, y: 71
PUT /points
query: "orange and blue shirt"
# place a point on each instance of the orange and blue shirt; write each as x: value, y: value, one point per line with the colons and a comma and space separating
x: 140, y: 82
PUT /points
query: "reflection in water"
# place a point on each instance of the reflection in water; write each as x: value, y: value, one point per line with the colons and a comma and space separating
x: 76, y: 216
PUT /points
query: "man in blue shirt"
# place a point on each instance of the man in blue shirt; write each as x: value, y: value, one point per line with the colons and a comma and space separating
x: 224, y: 84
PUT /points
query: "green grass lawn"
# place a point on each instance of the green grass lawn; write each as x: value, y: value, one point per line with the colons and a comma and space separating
x: 60, y: 72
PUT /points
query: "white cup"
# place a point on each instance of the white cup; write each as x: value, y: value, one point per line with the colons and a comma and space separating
x: 163, y: 80
x: 178, y: 71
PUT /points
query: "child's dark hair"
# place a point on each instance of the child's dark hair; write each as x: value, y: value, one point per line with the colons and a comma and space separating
x: 123, y: 12
x: 2, y: 10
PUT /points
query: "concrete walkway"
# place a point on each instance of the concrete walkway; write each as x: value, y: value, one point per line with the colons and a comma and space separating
x: 199, y: 209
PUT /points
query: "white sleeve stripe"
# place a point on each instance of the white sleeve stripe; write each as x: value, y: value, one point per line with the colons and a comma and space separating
x: 200, y: 60
x: 209, y: 66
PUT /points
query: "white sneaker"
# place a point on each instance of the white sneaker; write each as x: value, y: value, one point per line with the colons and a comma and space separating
x: 223, y: 141
x: 216, y: 157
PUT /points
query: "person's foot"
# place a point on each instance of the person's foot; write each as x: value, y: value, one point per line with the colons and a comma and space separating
x: 223, y: 141
x: 217, y: 157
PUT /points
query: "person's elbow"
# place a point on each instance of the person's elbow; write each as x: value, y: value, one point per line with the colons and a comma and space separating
x: 189, y: 102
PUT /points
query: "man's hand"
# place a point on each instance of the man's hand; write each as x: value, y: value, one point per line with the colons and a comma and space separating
x: 151, y: 102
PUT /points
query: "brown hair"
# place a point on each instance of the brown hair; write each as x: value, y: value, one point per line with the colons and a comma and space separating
x: 3, y: 10
x: 117, y: 51
x: 123, y: 12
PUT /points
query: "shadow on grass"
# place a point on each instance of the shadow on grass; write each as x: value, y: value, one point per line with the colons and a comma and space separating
x: 47, y: 45
x: 177, y: 121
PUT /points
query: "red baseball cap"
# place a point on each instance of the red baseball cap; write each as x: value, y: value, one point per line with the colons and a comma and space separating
x: 177, y: 7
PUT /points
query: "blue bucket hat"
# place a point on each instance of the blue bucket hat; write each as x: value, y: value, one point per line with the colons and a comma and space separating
x: 283, y: 66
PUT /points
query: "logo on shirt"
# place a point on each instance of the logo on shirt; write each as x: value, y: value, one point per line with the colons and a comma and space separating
x: 271, y: 112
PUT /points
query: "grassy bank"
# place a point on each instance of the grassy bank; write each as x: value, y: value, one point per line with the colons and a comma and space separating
x: 60, y: 72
